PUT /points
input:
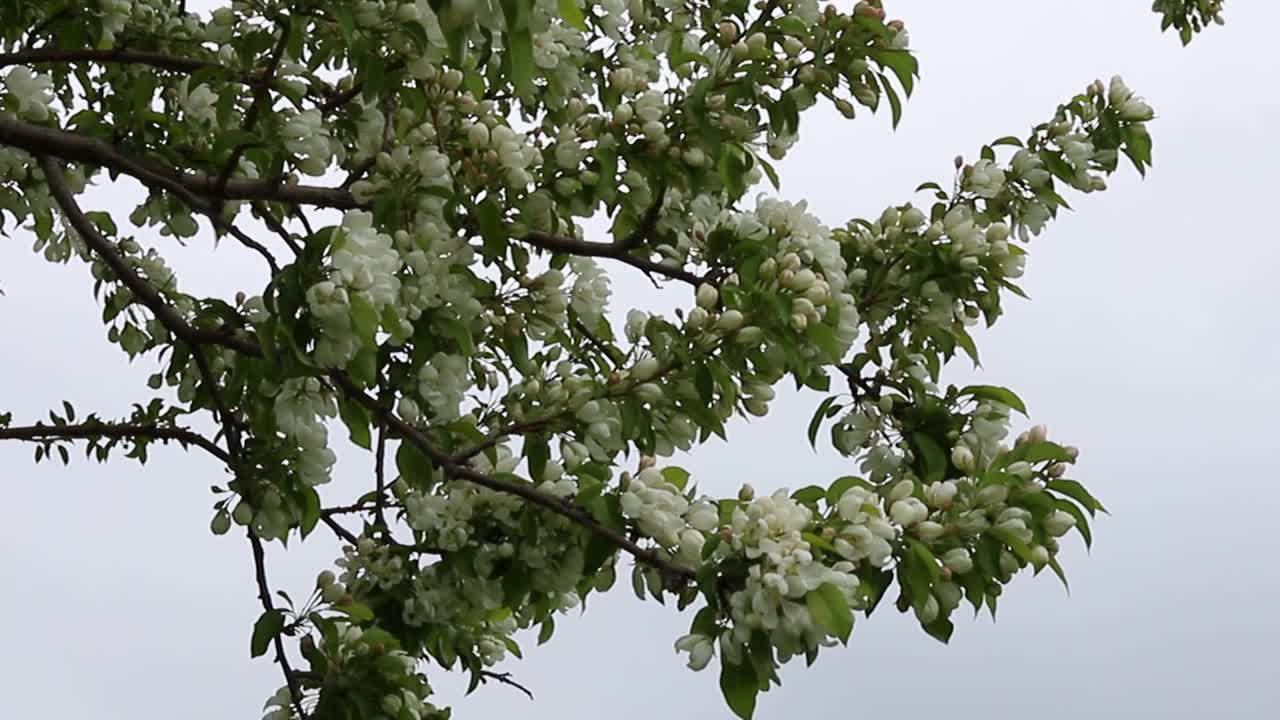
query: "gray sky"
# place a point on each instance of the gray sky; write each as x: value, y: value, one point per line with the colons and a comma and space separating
x: 1151, y: 343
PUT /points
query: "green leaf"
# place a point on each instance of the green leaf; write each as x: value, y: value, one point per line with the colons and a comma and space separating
x: 364, y: 366
x: 310, y: 511
x: 356, y: 418
x: 940, y: 630
x: 545, y: 632
x: 809, y: 495
x: 1045, y: 452
x: 268, y: 626
x: 677, y: 476
x: 572, y: 14
x: 932, y: 458
x: 521, y: 60
x: 825, y: 338
x: 414, y: 467
x: 1076, y: 491
x: 1082, y: 522
x: 364, y: 318
x: 346, y: 21
x: 824, y: 411
x: 1062, y: 575
x: 831, y: 611
x: 926, y: 558
x: 358, y: 612
x: 842, y: 485
x: 457, y: 331
x: 740, y: 686
x: 965, y: 341
x: 901, y: 62
x: 1018, y: 547
x: 1004, y: 396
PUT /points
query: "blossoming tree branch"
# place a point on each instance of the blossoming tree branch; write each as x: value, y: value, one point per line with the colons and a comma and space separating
x: 411, y: 178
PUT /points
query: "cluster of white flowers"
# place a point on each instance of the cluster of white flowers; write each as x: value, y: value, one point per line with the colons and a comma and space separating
x: 443, y: 382
x: 301, y: 407
x: 590, y: 296
x: 307, y: 135
x: 770, y: 529
x: 31, y: 92
x: 364, y: 264
x: 199, y: 104
x: 657, y: 507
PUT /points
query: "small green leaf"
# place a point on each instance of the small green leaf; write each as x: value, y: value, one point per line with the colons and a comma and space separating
x: 809, y: 495
x: 268, y: 626
x: 1076, y: 491
x: 358, y: 612
x: 1004, y: 396
x: 831, y: 611
x: 545, y: 632
x: 677, y: 476
x: 932, y: 458
x: 356, y: 418
x: 572, y: 14
x: 940, y: 630
x: 824, y: 411
x: 346, y: 21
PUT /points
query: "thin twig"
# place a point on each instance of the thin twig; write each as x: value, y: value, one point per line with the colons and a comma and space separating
x: 264, y: 595
x: 260, y: 98
x: 506, y: 679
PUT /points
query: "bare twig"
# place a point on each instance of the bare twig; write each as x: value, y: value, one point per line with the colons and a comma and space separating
x: 506, y: 679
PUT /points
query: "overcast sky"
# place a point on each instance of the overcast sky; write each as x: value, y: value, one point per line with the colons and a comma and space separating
x: 1151, y: 342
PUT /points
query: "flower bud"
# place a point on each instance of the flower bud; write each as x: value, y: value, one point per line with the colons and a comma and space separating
x: 992, y: 495
x: 451, y: 79
x: 902, y: 490
x: 645, y: 369
x: 221, y: 523
x: 707, y: 296
x: 929, y: 531
x: 962, y: 458
x: 728, y: 33
x: 1039, y: 556
x: 747, y: 493
x: 940, y: 494
x: 325, y: 579
x: 957, y: 560
x: 730, y: 320
x: 1059, y: 523
x: 697, y: 318
x: 1038, y: 434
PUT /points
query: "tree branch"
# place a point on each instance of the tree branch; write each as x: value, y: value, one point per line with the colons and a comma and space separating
x: 577, y: 514
x: 90, y: 431
x: 44, y: 56
x: 143, y: 290
x: 80, y: 148
x: 573, y: 246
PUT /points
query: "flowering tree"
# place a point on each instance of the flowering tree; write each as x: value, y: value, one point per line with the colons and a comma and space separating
x: 453, y: 317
